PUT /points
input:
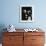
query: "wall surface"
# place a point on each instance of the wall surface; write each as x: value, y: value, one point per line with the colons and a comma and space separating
x: 10, y: 12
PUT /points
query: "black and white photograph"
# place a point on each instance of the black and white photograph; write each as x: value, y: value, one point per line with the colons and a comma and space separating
x: 26, y: 13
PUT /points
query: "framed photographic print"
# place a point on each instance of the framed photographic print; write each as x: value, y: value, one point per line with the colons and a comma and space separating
x: 26, y: 13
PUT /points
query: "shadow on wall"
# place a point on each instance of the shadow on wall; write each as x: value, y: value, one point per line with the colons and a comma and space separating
x: 2, y: 26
